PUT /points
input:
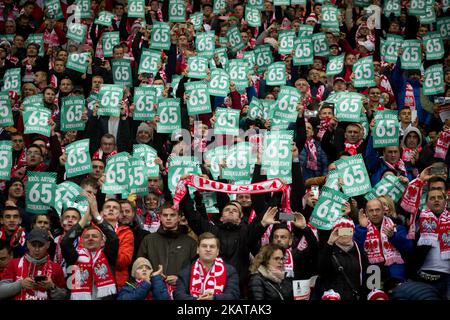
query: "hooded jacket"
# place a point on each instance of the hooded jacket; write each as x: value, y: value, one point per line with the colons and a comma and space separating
x: 408, y: 131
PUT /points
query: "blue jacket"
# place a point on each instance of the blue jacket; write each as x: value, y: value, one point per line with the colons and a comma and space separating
x: 231, y: 291
x: 133, y: 291
x: 398, y: 240
x: 322, y: 163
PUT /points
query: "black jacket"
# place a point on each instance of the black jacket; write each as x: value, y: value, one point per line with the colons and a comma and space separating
x: 262, y: 287
x: 231, y: 291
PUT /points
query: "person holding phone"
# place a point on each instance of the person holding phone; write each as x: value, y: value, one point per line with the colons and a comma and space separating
x: 34, y: 276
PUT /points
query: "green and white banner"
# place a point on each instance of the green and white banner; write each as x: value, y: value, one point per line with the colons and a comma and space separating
x: 12, y: 80
x: 78, y: 61
x: 6, y: 116
x: 252, y: 16
x: 235, y: 39
x: 238, y: 162
x: 117, y: 174
x: 144, y: 103
x: 329, y: 18
x: 121, y: 70
x: 138, y: 177
x: 443, y: 26
x: 416, y: 7
x: 392, y: 6
x: 255, y: 109
x: 335, y: 65
x: 277, y: 154
x: 160, y: 36
x: 390, y: 185
x: 197, y: 20
x: 148, y: 155
x: 66, y: 191
x: 104, y: 18
x: 285, y: 107
x: 54, y: 9
x: 333, y: 180
x: 5, y: 159
x: 205, y: 44
x: 169, y: 116
x: 177, y: 11
x: 72, y: 108
x: 77, y: 32
x: 386, y: 130
x: 78, y: 158
x: 434, y: 80
x: 83, y: 10
x: 286, y: 41
x: 364, y: 74
x: 328, y: 209
x: 353, y: 171
x: 35, y: 101
x: 258, y: 4
x: 40, y: 191
x: 199, y: 101
x: 276, y: 74
x: 412, y: 55
x: 303, y: 54
x: 136, y: 9
x: 348, y: 107
x: 36, y: 121
x: 109, y: 40
x: 110, y: 100
x: 219, y: 84
x: 320, y: 45
x: 390, y: 49
x: 150, y: 61
x: 213, y: 157
x: 434, y: 46
x: 305, y: 30
x: 227, y: 121
x: 179, y: 166
x: 238, y: 70
x: 197, y: 67
x: 37, y: 38
x: 263, y: 56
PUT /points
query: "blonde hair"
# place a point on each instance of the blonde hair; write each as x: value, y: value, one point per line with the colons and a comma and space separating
x: 263, y: 256
x: 385, y: 200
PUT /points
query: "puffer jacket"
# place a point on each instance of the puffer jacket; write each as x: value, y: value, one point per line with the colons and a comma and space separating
x: 264, y: 286
x: 125, y: 254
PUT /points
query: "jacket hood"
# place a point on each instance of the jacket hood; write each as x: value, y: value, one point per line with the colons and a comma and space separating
x: 408, y: 131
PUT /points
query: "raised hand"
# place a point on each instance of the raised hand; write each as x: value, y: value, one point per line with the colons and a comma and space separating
x: 362, y: 219
x: 269, y: 217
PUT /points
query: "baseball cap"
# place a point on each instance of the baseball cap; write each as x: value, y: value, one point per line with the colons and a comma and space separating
x: 39, y: 235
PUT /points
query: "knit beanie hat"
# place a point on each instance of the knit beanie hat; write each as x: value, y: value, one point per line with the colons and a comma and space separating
x: 344, y: 223
x: 144, y: 127
x: 139, y: 263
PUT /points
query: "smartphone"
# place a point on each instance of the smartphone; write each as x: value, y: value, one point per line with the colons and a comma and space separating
x: 40, y: 278
x: 435, y: 171
x: 284, y: 216
x: 345, y: 232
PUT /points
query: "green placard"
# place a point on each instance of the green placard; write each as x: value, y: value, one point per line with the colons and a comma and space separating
x: 6, y: 116
x: 223, y: 56
x: 177, y: 11
x: 412, y: 55
x: 12, y: 80
x: 286, y: 41
x: 169, y: 116
x: 227, y: 121
x: 320, y: 45
x: 36, y: 121
x: 138, y: 177
x: 281, y: 2
x: 209, y: 199
x: 391, y: 46
x: 305, y: 30
x: 77, y: 32
x: 416, y: 7
x: 197, y: 20
x: 148, y: 155
x: 205, y: 44
x: 250, y: 58
x: 144, y: 101
x: 333, y: 180
x: 72, y: 108
x: 255, y: 109
x: 110, y: 100
x: 443, y: 26
x: 362, y: 3
x: 329, y: 17
x: 109, y: 40
x: 117, y: 174
x: 197, y: 67
x: 434, y: 46
x: 66, y: 191
x: 199, y: 101
x: 276, y: 74
x: 83, y: 10
x: 34, y: 101
x: 219, y: 84
x: 434, y: 80
x: 238, y: 162
x: 364, y: 74
x: 390, y: 185
x: 40, y: 191
x: 214, y: 157
x: 392, y: 6
x: 78, y: 61
x: 78, y: 159
x: 179, y: 166
x: 328, y: 208
x: 238, y: 70
x: 348, y: 107
x: 386, y: 130
x: 136, y: 9
x: 150, y: 61
x: 252, y: 16
x: 5, y: 159
x: 160, y: 36
x: 335, y: 65
x: 277, y: 154
x: 263, y: 57
x: 353, y: 171
x: 429, y: 15
x: 121, y: 70
x: 105, y: 18
x: 37, y: 38
x: 286, y: 105
x: 258, y: 4
x: 54, y: 9
x: 218, y: 6
x: 235, y: 39
x: 303, y: 54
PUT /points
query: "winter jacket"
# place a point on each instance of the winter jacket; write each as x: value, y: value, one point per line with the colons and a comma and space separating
x: 322, y: 163
x: 153, y: 290
x: 230, y: 292
x: 171, y: 249
x: 124, y: 255
x: 262, y: 286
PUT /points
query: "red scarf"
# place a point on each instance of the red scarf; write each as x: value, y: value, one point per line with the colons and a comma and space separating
x: 410, y: 101
x: 377, y: 245
x: 442, y: 145
x: 311, y: 149
x: 408, y: 153
x: 432, y: 229
x: 411, y: 198
x: 92, y: 269
x: 351, y: 148
x: 13, y: 236
x: 398, y: 166
x: 323, y: 127
x: 213, y: 281
x: 99, y: 154
x: 26, y: 269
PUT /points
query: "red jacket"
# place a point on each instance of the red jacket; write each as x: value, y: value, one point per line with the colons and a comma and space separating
x: 125, y: 255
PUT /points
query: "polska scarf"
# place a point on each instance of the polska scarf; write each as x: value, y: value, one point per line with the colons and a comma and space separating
x: 92, y: 269
x: 323, y: 127
x: 411, y: 198
x: 433, y: 228
x: 13, y: 236
x: 29, y: 268
x: 378, y: 247
x: 212, y: 281
x: 311, y: 149
x: 398, y: 166
x: 409, y: 97
x: 99, y: 155
x: 442, y: 145
x: 352, y: 148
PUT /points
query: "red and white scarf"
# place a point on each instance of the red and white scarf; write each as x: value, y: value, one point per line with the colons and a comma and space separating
x: 323, y: 127
x: 408, y: 153
x: 311, y: 149
x: 442, y: 145
x: 25, y: 269
x: 377, y: 245
x: 433, y: 228
x: 13, y: 236
x: 212, y: 281
x: 398, y: 166
x: 410, y: 101
x: 92, y: 269
x: 203, y: 184
x: 411, y: 198
x: 352, y: 148
x: 99, y: 154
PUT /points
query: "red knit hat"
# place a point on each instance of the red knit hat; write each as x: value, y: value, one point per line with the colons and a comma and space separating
x: 331, y: 295
x: 344, y: 223
x: 377, y: 295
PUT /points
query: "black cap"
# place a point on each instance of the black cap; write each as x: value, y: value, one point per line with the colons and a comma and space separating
x: 39, y: 235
